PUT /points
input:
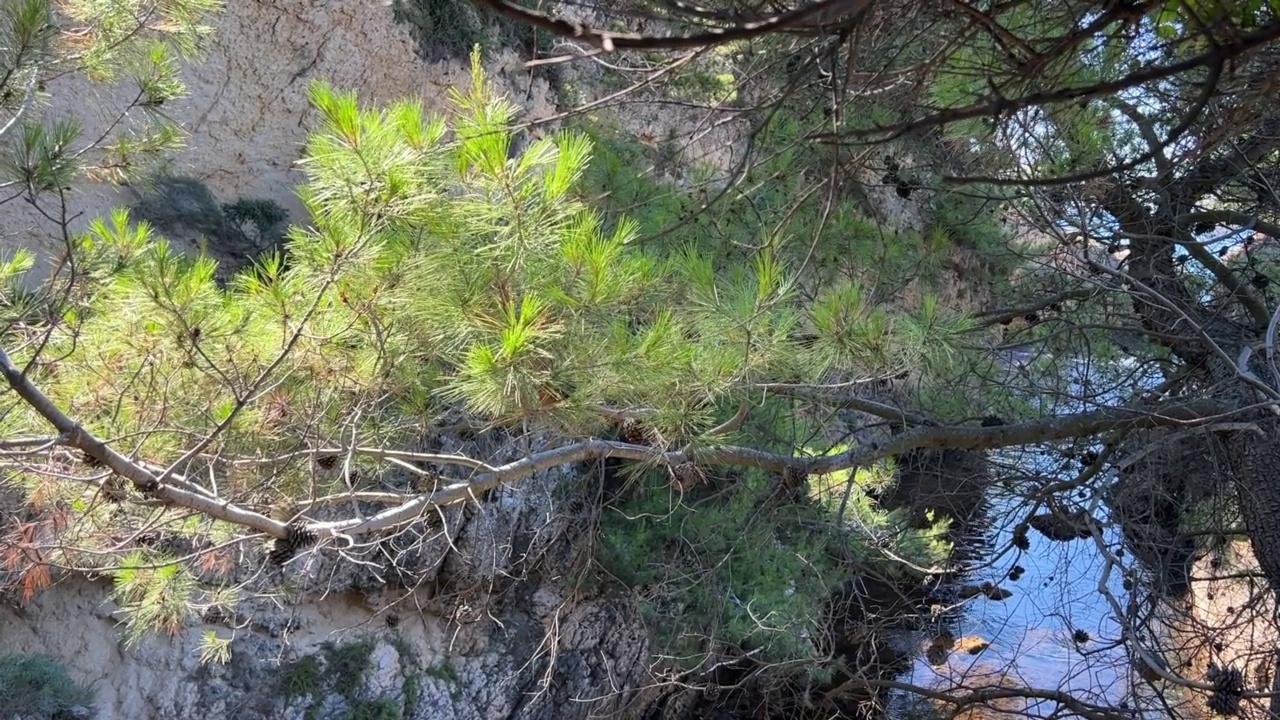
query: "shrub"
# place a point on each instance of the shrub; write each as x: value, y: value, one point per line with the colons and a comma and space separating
x: 37, y: 686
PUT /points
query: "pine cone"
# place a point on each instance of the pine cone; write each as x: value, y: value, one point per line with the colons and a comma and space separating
x: 1020, y: 539
x: 1228, y: 687
x: 634, y: 432
x: 297, y: 537
x: 113, y: 490
x: 794, y: 478
x: 687, y: 475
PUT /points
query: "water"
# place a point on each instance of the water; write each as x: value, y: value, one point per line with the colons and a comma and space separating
x: 1034, y: 634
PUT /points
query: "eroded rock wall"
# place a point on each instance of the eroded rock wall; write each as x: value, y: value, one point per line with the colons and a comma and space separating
x: 547, y: 658
x: 482, y: 612
x: 247, y: 113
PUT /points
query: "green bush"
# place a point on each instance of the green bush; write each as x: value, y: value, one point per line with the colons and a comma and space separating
x: 737, y: 571
x: 268, y: 219
x: 971, y: 218
x: 379, y: 709
x: 717, y: 573
x: 447, y: 29
x: 339, y: 669
x: 37, y: 686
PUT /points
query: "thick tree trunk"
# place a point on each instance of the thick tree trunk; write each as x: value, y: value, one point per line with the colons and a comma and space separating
x: 1258, y: 490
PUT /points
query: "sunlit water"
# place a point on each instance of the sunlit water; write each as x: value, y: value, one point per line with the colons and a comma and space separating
x: 1033, y: 633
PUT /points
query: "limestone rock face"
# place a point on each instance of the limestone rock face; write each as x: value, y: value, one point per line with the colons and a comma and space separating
x: 483, y: 612
x: 341, y: 658
x: 247, y: 113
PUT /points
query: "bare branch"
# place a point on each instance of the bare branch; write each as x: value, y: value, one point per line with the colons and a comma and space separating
x: 1229, y: 217
x: 967, y: 438
x: 999, y: 106
x: 827, y: 394
x: 970, y: 438
x: 846, y: 11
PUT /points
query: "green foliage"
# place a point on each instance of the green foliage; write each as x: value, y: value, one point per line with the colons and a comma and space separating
x: 347, y: 664
x: 340, y: 669
x: 444, y: 670
x: 716, y: 573
x: 38, y: 686
x: 446, y: 30
x: 153, y: 593
x: 302, y: 677
x: 720, y: 88
x: 41, y: 158
x: 112, y: 45
x: 868, y: 317
x: 967, y: 74
x: 768, y: 208
x: 412, y: 690
x: 878, y: 538
x: 444, y: 270
x: 722, y: 572
x: 710, y: 78
x: 29, y: 34
x: 377, y: 709
x: 214, y: 649
x: 971, y: 217
x: 1175, y: 18
x: 110, y: 41
x: 266, y: 216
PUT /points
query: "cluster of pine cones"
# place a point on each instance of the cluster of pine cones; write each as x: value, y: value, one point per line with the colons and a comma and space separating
x: 1228, y: 686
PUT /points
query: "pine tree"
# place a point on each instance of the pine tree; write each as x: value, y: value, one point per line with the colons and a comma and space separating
x: 440, y: 275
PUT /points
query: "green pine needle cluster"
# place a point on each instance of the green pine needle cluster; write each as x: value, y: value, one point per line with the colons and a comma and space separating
x: 716, y: 576
x: 39, y: 686
x: 135, y: 43
x: 721, y: 574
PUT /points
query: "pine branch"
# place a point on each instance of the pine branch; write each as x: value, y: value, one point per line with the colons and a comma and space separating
x: 1049, y: 429
x: 847, y: 11
x: 169, y: 492
x: 965, y: 438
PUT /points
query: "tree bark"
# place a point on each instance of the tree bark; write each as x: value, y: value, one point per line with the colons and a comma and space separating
x: 1257, y: 482
x: 1200, y: 336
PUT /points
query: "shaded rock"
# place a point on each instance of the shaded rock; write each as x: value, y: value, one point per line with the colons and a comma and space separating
x: 986, y: 589
x: 952, y: 483
x: 997, y: 593
x: 939, y: 648
x: 183, y: 210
